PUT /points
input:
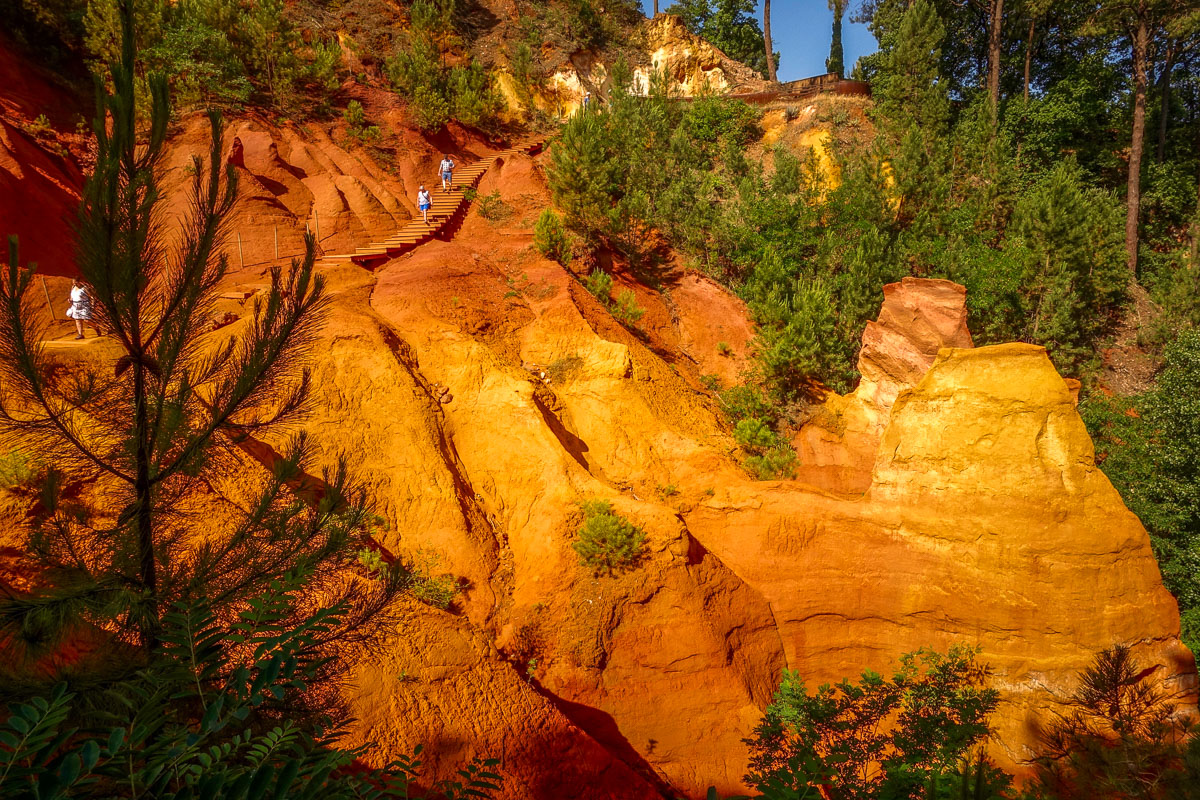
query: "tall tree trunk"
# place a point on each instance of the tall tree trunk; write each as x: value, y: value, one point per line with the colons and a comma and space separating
x: 656, y: 8
x: 142, y: 500
x: 767, y: 40
x: 995, y: 42
x: 1164, y: 110
x: 1140, y: 36
x: 1029, y: 54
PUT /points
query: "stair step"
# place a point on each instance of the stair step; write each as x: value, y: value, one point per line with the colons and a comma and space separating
x: 445, y: 205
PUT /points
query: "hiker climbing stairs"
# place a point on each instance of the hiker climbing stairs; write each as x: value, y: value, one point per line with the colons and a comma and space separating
x: 446, y: 206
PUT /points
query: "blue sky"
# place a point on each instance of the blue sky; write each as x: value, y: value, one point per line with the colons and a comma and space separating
x: 801, y: 30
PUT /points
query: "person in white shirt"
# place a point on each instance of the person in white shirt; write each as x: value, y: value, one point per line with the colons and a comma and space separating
x: 80, y: 309
x: 424, y: 202
x: 447, y: 169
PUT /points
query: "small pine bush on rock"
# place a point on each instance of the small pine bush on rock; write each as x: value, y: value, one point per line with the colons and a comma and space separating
x: 607, y: 541
x: 599, y: 284
x: 550, y: 238
x: 626, y: 310
x: 768, y: 455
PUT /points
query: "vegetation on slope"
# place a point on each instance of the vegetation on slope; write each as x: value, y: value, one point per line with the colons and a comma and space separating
x: 1021, y: 202
x: 914, y: 736
x: 177, y: 642
x: 292, y: 58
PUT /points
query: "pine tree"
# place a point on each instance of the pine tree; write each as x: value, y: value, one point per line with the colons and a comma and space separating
x: 836, y: 61
x: 909, y: 91
x: 152, y: 434
x: 1143, y: 24
x: 1072, y: 268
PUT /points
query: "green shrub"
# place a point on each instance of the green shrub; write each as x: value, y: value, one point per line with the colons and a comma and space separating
x: 438, y: 591
x: 550, y: 238
x: 492, y: 208
x: 437, y: 93
x: 599, y: 284
x: 768, y: 455
x: 1074, y: 270
x: 773, y: 464
x: 586, y: 24
x: 712, y: 120
x: 473, y: 98
x: 429, y: 109
x: 16, y: 469
x: 38, y: 127
x: 526, y: 73
x: 357, y: 127
x: 607, y: 541
x: 1149, y: 447
x: 879, y: 737
x: 625, y: 309
x: 417, y: 577
x: 747, y: 402
x: 563, y: 368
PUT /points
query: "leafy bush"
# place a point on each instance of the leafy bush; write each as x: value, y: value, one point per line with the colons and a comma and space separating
x: 437, y: 93
x: 607, y: 541
x: 563, y: 368
x: 526, y: 73
x: 1074, y: 263
x: 438, y: 591
x: 429, y: 108
x: 417, y: 578
x: 877, y: 738
x: 585, y: 24
x: 550, y: 238
x: 712, y: 120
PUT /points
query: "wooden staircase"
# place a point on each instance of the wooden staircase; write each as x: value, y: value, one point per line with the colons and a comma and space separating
x: 446, y: 206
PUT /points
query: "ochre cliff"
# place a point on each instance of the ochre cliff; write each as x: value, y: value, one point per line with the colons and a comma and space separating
x: 664, y: 47
x: 482, y: 393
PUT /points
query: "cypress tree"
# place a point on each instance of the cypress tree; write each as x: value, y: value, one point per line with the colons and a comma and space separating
x: 836, y: 61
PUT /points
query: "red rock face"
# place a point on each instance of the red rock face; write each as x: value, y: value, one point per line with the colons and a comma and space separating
x: 918, y: 318
x: 482, y: 393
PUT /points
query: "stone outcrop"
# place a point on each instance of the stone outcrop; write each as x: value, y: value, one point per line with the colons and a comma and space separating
x: 692, y: 67
x: 691, y: 64
x: 987, y: 523
x: 918, y: 318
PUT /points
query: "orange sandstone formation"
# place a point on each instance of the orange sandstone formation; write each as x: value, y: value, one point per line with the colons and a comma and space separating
x: 482, y: 394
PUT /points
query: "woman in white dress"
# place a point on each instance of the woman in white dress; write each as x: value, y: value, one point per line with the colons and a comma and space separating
x: 80, y: 309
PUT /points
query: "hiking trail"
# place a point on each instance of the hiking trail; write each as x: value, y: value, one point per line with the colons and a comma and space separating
x: 446, y: 207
